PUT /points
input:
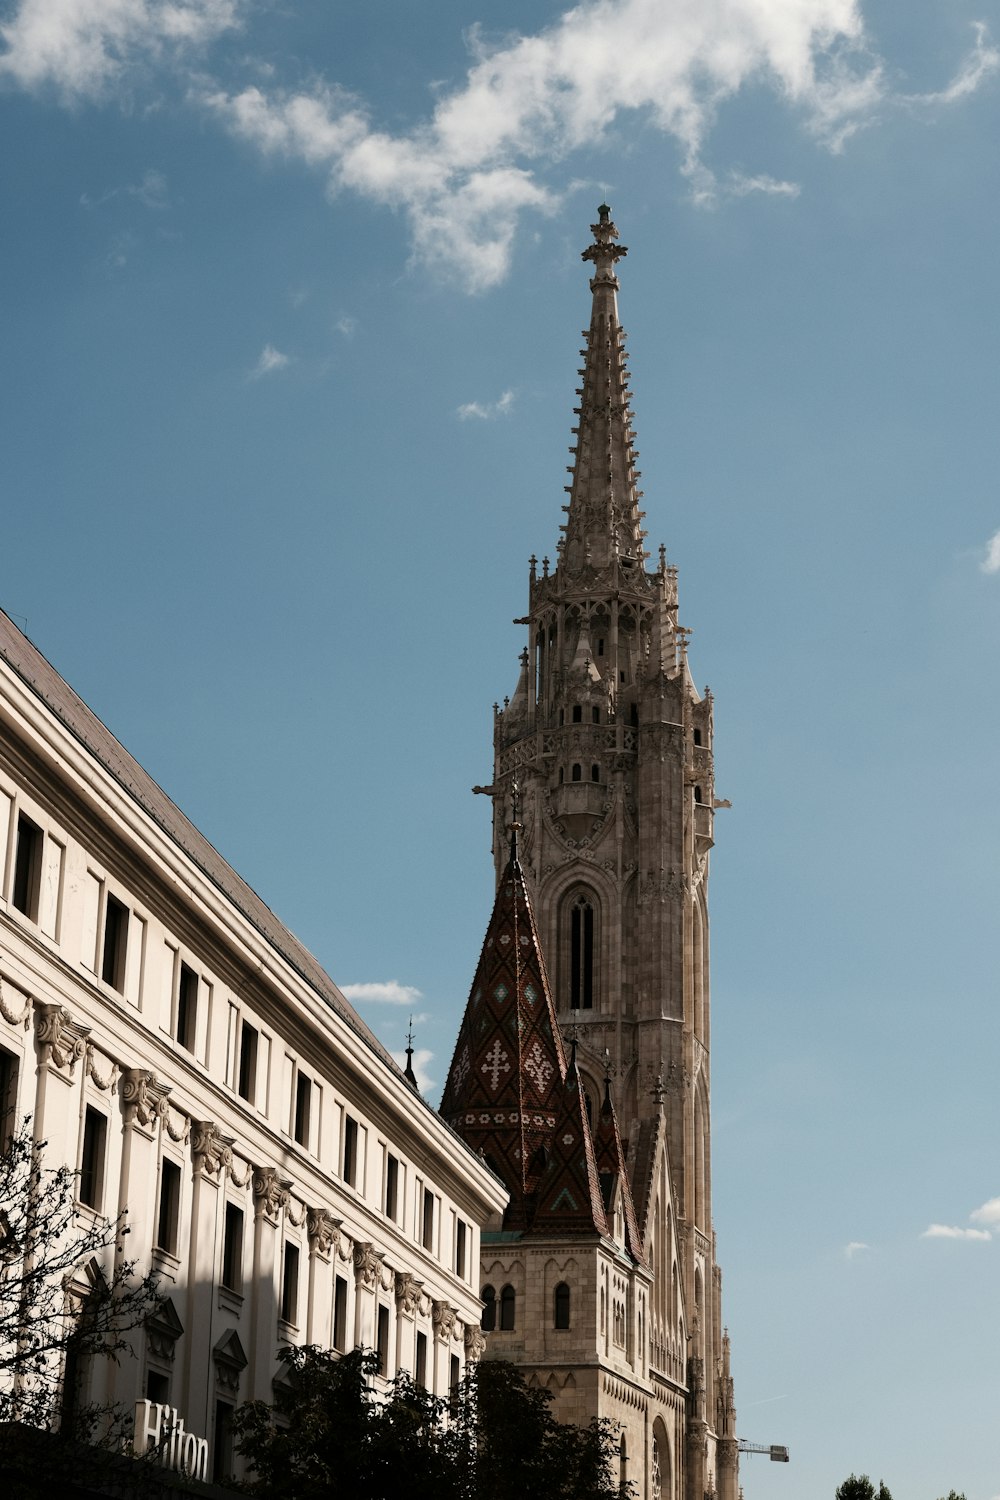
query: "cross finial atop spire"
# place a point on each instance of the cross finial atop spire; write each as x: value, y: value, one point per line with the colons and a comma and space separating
x: 515, y: 792
x: 408, y: 1072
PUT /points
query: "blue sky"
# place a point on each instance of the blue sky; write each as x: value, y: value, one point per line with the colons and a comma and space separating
x: 291, y: 302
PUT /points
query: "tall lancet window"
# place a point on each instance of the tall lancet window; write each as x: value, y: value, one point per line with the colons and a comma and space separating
x: 581, y: 954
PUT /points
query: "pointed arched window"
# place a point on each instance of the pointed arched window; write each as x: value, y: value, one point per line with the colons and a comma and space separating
x: 562, y: 1305
x: 581, y: 955
x: 507, y: 1309
x: 489, y: 1319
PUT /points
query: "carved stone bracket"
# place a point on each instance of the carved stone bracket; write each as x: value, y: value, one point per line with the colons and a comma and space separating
x: 443, y: 1317
x: 230, y: 1360
x: 59, y: 1040
x: 210, y: 1149
x: 367, y: 1264
x: 323, y: 1231
x: 408, y: 1291
x: 271, y: 1193
x: 475, y: 1341
x: 143, y: 1098
x: 10, y: 1012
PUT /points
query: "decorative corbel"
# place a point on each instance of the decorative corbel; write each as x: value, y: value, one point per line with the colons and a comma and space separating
x: 443, y: 1318
x: 323, y: 1231
x: 271, y: 1193
x: 143, y: 1097
x: 408, y: 1290
x: 210, y: 1149
x: 367, y: 1263
x: 475, y: 1341
x: 59, y: 1040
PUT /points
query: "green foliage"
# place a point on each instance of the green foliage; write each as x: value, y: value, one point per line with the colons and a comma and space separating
x: 952, y: 1495
x: 860, y: 1487
x: 329, y: 1435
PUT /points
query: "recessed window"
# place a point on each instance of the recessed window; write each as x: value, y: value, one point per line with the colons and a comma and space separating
x: 454, y: 1383
x: 577, y: 713
x: 187, y: 1008
x: 562, y: 1305
x: 420, y: 1373
x: 581, y: 955
x: 95, y: 1140
x: 382, y: 1340
x: 303, y: 1108
x: 157, y: 1387
x: 290, y: 1284
x: 340, y: 1315
x: 391, y: 1186
x: 595, y: 773
x: 489, y: 1319
x: 697, y: 736
x: 350, y: 1172
x: 427, y: 1227
x: 232, y: 1249
x: 595, y: 714
x: 562, y: 775
x: 697, y: 794
x: 562, y: 717
x: 8, y: 1098
x: 247, y: 1078
x: 507, y: 1304
x: 168, y: 1214
x: 460, y: 1237
x: 222, y: 1452
x: 115, y: 944
x: 27, y: 868
x: 576, y: 774
x: 600, y: 645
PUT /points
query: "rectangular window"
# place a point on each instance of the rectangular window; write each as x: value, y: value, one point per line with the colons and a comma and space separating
x: 303, y: 1106
x: 222, y: 1452
x: 290, y: 1284
x: 454, y: 1383
x: 8, y: 1098
x: 115, y: 944
x: 232, y: 1249
x: 460, y: 1248
x: 168, y: 1216
x: 427, y: 1228
x: 391, y: 1186
x: 157, y: 1387
x: 27, y: 868
x: 187, y: 1008
x: 382, y: 1340
x: 95, y: 1140
x: 420, y: 1373
x: 350, y: 1173
x: 247, y: 1080
x: 340, y: 1315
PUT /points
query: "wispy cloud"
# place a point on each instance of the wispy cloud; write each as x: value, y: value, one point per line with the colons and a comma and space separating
x: 422, y: 1060
x: 150, y: 191
x: 346, y: 325
x: 487, y: 411
x: 490, y: 149
x: 855, y: 1247
x: 952, y: 1232
x: 268, y: 361
x: 991, y: 561
x: 383, y: 992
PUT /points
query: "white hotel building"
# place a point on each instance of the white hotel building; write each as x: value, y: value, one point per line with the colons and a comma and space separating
x: 178, y: 1046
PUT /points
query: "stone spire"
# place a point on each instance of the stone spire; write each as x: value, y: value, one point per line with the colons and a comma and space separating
x: 603, y: 516
x: 505, y: 1086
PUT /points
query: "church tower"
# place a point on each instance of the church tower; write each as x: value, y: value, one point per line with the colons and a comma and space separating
x: 606, y: 745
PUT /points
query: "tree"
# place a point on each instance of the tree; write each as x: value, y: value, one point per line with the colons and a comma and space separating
x: 952, y: 1495
x: 328, y: 1435
x: 861, y: 1488
x: 60, y: 1306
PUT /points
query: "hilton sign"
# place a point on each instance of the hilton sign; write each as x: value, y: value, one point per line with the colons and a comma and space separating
x: 161, y: 1428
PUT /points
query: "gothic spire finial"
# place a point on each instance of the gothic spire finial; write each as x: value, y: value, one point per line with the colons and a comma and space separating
x: 515, y: 826
x: 408, y: 1072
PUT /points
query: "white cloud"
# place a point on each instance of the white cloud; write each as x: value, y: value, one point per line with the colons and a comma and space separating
x: 80, y: 47
x: 991, y: 562
x: 385, y: 992
x: 855, y: 1248
x: 346, y: 325
x: 465, y: 175
x: 988, y: 1213
x: 983, y: 60
x: 421, y: 1061
x: 952, y: 1232
x: 269, y: 360
x: 487, y: 411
